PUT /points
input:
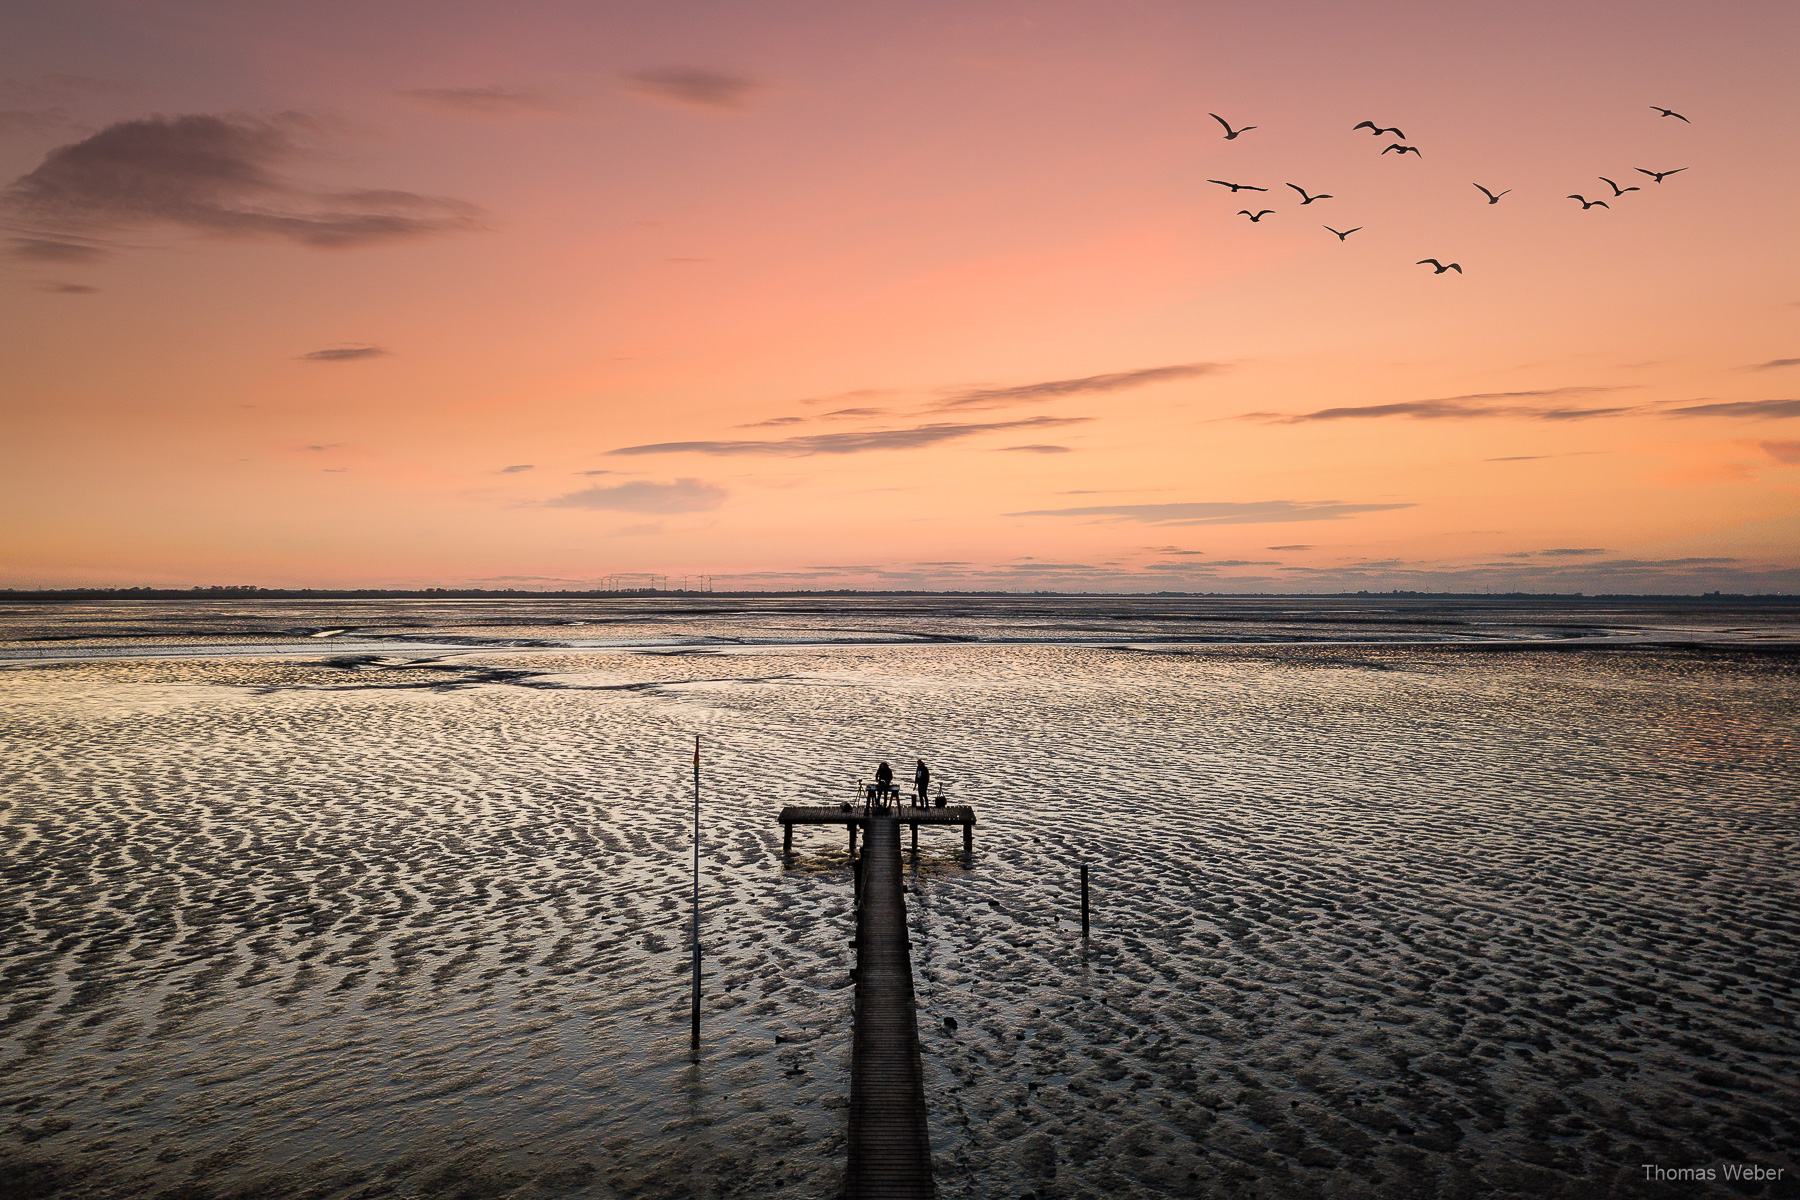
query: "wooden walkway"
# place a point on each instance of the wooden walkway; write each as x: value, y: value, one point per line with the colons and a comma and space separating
x: 890, y: 1145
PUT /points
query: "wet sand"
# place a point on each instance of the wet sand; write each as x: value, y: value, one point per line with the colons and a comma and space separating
x: 1369, y: 921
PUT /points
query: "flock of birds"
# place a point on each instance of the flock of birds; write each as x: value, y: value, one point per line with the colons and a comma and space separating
x: 1402, y: 150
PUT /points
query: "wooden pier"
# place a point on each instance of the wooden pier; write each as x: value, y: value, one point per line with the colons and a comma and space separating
x: 857, y: 814
x: 890, y: 1142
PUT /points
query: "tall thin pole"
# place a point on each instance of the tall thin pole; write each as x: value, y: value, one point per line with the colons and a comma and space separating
x: 1084, y: 907
x: 694, y: 1047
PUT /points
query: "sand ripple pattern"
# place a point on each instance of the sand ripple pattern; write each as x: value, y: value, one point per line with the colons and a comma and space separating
x: 1369, y: 921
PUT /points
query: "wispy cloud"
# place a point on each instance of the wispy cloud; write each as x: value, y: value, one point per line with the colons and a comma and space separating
x: 1573, y: 552
x: 1287, y: 547
x: 1787, y: 452
x: 1773, y: 364
x: 342, y: 354
x: 1039, y: 449
x: 514, y: 470
x: 642, y: 496
x: 852, y: 442
x: 1219, y: 512
x: 692, y: 87
x: 770, y: 423
x: 217, y: 177
x: 1741, y: 408
x: 1478, y: 404
x: 67, y: 289
x: 53, y: 250
x: 480, y: 101
x: 1056, y: 389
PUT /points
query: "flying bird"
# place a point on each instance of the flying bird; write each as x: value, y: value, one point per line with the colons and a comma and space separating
x: 1256, y: 216
x: 1306, y: 199
x: 1404, y: 150
x: 1617, y: 190
x: 1441, y: 267
x: 1375, y: 129
x: 1229, y: 131
x: 1587, y: 204
x: 1343, y: 233
x: 1238, y: 187
x: 1493, y: 197
x: 1659, y: 175
x: 1669, y: 112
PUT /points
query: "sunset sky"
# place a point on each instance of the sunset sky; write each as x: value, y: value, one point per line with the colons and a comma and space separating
x: 917, y: 294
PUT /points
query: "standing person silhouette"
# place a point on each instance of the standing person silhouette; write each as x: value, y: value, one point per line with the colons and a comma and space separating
x: 884, y: 782
x: 922, y: 784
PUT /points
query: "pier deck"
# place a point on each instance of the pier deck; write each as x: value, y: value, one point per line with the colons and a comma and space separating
x: 890, y: 1145
x: 854, y: 815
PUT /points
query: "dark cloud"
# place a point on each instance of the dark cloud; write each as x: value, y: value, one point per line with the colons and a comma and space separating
x: 67, y: 289
x: 342, y: 354
x: 479, y: 102
x: 1039, y: 449
x: 1262, y: 512
x: 772, y: 421
x: 1567, y: 552
x: 1787, y: 452
x: 1287, y: 547
x: 854, y: 412
x: 514, y: 470
x: 857, y: 442
x: 1056, y: 389
x: 1477, y: 404
x: 1741, y: 408
x: 1173, y: 550
x: 596, y: 472
x: 694, y: 88
x: 53, y: 250
x: 1773, y: 363
x: 328, y: 446
x: 641, y: 496
x: 215, y: 176
x: 1518, y: 458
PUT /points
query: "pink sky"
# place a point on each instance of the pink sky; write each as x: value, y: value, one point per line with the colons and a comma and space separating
x: 903, y: 295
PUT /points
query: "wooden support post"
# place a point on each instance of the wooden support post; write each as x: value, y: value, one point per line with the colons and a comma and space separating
x: 1084, y: 901
x: 787, y: 838
x: 968, y: 838
x: 853, y: 839
x: 915, y: 827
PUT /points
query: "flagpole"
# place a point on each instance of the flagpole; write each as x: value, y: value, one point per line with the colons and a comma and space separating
x: 694, y: 1046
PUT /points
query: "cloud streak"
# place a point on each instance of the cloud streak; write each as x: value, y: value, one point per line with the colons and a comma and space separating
x: 858, y: 442
x: 1477, y: 404
x: 216, y: 177
x: 1741, y: 408
x: 691, y: 87
x: 1774, y: 364
x: 342, y: 354
x: 479, y: 101
x: 1056, y: 389
x: 642, y: 496
x: 1261, y: 512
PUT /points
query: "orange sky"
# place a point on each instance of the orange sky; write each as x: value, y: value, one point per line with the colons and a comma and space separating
x: 899, y: 295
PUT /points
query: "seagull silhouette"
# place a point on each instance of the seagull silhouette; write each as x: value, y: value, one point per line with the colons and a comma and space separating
x: 1441, y: 267
x: 1237, y: 187
x: 1256, y: 216
x: 1306, y: 199
x: 1343, y: 234
x: 1669, y: 112
x: 1617, y: 190
x: 1229, y: 131
x: 1587, y: 204
x: 1659, y: 175
x: 1493, y: 197
x: 1375, y: 129
x: 1404, y: 150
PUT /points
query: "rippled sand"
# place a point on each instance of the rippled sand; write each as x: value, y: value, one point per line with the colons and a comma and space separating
x: 1369, y: 921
